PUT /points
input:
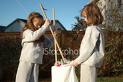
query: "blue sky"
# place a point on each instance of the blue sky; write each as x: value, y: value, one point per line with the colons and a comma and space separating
x: 66, y: 10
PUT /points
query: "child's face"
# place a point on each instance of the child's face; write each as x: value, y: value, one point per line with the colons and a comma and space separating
x: 37, y: 22
x: 84, y: 16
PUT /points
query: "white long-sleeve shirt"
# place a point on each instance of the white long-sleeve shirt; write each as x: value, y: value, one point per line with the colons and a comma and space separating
x: 32, y: 52
x: 92, y: 47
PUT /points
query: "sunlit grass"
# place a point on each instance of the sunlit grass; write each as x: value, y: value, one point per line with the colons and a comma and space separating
x: 109, y: 79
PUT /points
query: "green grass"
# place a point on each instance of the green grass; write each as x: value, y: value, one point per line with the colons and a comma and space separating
x: 109, y: 79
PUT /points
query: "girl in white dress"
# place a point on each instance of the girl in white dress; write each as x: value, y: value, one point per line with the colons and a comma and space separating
x: 92, y: 45
x: 33, y: 39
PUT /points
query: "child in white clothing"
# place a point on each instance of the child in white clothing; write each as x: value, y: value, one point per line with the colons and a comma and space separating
x: 32, y: 48
x: 92, y: 45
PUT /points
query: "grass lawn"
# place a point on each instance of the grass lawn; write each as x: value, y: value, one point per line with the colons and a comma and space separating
x: 109, y: 79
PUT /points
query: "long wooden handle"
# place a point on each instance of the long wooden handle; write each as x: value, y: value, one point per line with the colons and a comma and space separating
x: 44, y: 14
x: 42, y: 9
x: 54, y: 22
x: 58, y: 45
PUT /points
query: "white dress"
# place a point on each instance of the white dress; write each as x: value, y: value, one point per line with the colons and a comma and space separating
x: 31, y: 56
x: 91, y: 53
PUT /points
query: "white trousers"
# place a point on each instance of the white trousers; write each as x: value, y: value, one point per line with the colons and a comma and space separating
x: 27, y: 72
x: 88, y: 73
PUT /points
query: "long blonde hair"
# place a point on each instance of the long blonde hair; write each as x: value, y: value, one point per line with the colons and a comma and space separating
x: 29, y: 24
